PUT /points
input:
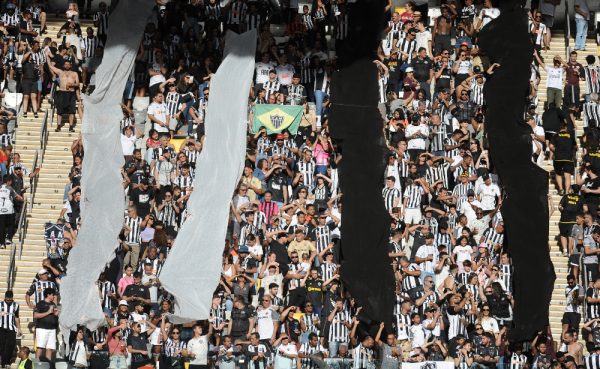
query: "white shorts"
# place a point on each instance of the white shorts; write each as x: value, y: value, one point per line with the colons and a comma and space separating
x: 45, y: 338
x: 412, y: 216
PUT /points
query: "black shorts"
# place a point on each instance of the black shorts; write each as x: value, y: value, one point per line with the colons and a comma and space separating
x: 562, y: 167
x: 565, y: 229
x: 29, y: 86
x: 572, y: 319
x: 549, y: 135
x: 66, y: 102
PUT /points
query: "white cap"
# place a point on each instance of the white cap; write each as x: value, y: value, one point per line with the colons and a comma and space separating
x: 409, y: 69
x: 42, y: 271
x: 123, y: 302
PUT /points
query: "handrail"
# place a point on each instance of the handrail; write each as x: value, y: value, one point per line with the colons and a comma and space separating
x: 39, y: 158
x: 12, y: 269
x: 567, y: 30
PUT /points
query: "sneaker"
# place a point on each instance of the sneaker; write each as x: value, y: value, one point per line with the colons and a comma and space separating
x: 71, y: 129
x: 24, y: 115
x: 57, y: 129
x: 35, y: 115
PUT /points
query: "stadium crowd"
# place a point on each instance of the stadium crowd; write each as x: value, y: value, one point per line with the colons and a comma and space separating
x: 280, y: 302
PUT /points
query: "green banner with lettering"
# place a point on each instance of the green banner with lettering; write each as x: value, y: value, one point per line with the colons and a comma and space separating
x: 276, y: 118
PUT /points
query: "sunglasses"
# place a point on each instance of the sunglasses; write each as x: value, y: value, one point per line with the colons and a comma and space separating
x: 175, y: 332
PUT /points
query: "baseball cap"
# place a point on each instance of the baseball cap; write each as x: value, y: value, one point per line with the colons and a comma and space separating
x: 465, y: 44
x: 244, y: 249
x: 280, y: 136
x: 409, y: 69
x: 42, y: 271
x: 123, y: 302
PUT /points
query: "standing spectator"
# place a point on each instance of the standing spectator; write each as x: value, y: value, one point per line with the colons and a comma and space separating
x: 46, y: 324
x: 582, y: 17
x: 10, y: 327
x: 197, y: 347
x: 7, y: 211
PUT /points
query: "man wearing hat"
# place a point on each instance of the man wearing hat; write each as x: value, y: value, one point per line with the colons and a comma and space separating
x: 38, y: 287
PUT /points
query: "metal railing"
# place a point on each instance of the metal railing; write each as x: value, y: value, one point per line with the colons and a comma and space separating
x: 17, y: 247
x: 39, y: 158
x: 567, y: 30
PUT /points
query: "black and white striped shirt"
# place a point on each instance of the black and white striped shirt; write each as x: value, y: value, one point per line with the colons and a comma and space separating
x: 477, y: 93
x: 309, y: 321
x: 89, y: 45
x: 341, y: 29
x: 168, y: 215
x: 391, y: 197
x: 436, y: 173
x: 308, y: 172
x: 9, y: 313
x: 171, y: 346
x: 306, y: 71
x: 363, y: 357
x: 5, y: 140
x: 338, y: 332
x: 490, y: 237
x: 309, y: 350
x: 506, y: 270
x: 102, y: 21
x: 272, y: 87
x: 37, y: 289
x: 407, y: 46
x: 408, y: 281
x: 237, y: 12
x: 106, y: 289
x: 184, y: 182
x: 591, y: 74
x: 135, y: 227
x: 11, y: 20
x: 403, y: 324
x: 172, y: 99
x: 591, y: 114
x: 253, y: 21
x: 307, y: 20
x: 213, y: 12
x: 414, y: 194
x: 593, y: 310
x: 328, y: 270
x: 591, y: 361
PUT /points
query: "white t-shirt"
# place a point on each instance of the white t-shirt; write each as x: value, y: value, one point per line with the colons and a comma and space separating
x: 423, y: 39
x: 139, y: 318
x: 487, y: 15
x: 488, y: 195
x: 462, y: 253
x: 159, y: 111
x: 423, y: 252
x: 264, y: 322
x: 416, y: 143
x: 7, y: 196
x: 199, y: 348
x: 128, y: 144
x: 285, y: 362
x: 555, y: 77
x: 418, y: 335
x: 262, y: 72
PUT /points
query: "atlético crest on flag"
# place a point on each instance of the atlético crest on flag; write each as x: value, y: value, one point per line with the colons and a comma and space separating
x: 276, y: 118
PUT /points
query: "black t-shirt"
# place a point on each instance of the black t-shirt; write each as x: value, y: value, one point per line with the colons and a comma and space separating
x: 571, y: 205
x: 444, y: 80
x: 139, y: 342
x: 314, y: 291
x: 75, y: 210
x: 30, y: 71
x: 138, y: 291
x: 241, y: 320
x: 141, y: 199
x: 49, y: 321
x: 552, y: 119
x: 275, y: 184
x: 393, y: 66
x: 592, y: 184
x: 564, y: 144
x: 281, y: 256
x: 593, y: 157
x: 422, y: 67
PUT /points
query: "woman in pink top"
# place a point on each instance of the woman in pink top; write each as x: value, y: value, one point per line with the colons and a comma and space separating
x: 117, y: 347
x: 126, y: 280
x: 321, y: 152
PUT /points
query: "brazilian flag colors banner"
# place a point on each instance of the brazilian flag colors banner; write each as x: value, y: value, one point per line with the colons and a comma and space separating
x: 276, y: 118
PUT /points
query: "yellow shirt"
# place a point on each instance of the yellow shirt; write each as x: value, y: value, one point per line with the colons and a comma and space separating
x: 254, y: 182
x: 304, y: 247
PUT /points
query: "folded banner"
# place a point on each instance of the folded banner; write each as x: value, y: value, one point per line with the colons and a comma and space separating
x: 192, y: 270
x: 102, y: 204
x: 429, y: 365
x: 276, y: 118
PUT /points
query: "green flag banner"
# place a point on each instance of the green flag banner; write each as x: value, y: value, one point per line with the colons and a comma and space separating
x: 276, y: 118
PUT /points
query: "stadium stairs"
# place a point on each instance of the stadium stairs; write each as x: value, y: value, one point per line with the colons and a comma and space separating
x: 48, y: 198
x: 557, y: 304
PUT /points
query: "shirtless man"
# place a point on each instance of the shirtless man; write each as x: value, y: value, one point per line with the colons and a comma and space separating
x: 573, y: 347
x: 67, y: 97
x: 441, y: 30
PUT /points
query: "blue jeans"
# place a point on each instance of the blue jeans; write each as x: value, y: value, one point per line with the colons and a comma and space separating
x: 322, y: 169
x: 333, y: 348
x: 319, y: 98
x: 582, y: 28
x: 118, y: 362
